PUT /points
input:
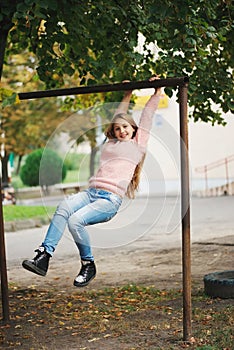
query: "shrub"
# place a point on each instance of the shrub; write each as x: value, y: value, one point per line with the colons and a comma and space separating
x: 44, y: 168
x: 73, y: 161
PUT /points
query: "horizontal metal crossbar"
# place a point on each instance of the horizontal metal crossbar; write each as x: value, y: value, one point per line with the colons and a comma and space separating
x: 168, y: 82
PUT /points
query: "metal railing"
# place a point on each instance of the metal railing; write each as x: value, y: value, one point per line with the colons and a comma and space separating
x: 221, y: 162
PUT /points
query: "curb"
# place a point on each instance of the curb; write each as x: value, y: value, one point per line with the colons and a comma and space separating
x: 18, y: 225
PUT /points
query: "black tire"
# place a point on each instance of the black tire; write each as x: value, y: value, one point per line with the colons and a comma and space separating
x: 220, y: 284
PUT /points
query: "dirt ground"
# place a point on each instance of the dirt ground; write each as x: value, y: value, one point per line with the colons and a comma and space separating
x: 144, y: 328
x: 162, y: 268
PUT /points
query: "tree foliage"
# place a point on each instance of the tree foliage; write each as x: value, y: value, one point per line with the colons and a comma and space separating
x: 27, y: 125
x: 98, y: 41
x: 72, y: 42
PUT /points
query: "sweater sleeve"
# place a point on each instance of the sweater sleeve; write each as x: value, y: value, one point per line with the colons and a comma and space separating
x: 145, y: 124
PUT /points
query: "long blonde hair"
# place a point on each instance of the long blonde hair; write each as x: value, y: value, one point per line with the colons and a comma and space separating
x: 134, y: 183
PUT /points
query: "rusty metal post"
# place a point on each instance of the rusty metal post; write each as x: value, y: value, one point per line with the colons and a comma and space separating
x: 3, y: 269
x: 185, y: 213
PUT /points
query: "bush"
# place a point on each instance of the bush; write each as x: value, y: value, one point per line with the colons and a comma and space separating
x: 73, y: 161
x: 44, y: 168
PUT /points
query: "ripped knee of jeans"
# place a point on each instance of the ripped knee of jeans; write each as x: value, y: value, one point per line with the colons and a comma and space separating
x: 63, y: 210
x: 74, y: 222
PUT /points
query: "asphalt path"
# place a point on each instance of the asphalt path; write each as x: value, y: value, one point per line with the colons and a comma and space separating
x: 146, y: 223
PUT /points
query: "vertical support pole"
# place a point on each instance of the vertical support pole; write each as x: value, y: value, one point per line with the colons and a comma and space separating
x: 185, y: 213
x: 3, y: 269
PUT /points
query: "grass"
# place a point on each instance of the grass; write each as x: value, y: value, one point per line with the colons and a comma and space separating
x: 76, y: 176
x: 15, y: 212
x: 23, y: 212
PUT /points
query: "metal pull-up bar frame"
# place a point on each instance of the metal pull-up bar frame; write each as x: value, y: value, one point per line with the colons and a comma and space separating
x: 182, y: 83
x: 80, y: 90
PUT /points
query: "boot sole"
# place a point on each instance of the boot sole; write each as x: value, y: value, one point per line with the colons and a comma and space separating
x: 32, y: 268
x: 80, y: 285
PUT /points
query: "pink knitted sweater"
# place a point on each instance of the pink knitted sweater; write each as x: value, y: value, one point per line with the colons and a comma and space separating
x: 120, y: 158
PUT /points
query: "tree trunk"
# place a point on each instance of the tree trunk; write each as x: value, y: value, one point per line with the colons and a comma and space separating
x: 5, y: 177
x: 19, y: 164
x: 3, y: 40
x: 92, y: 160
x: 5, y: 26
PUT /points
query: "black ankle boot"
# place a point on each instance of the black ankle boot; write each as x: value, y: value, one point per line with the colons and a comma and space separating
x: 86, y: 274
x: 39, y: 264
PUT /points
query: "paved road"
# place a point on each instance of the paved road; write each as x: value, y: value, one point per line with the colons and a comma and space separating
x: 145, y: 223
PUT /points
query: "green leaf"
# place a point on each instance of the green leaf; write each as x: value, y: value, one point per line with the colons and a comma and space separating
x: 68, y: 70
x: 22, y: 7
x: 8, y: 97
x: 230, y: 104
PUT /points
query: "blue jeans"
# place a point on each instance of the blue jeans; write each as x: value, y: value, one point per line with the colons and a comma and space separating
x: 85, y: 208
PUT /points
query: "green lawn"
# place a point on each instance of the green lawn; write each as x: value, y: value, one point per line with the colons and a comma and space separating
x: 23, y: 212
x: 15, y: 212
x: 76, y: 176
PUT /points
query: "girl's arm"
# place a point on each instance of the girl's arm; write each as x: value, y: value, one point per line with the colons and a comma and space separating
x: 124, y: 104
x: 146, y: 119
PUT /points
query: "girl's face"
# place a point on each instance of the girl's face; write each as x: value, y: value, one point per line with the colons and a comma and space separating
x: 123, y: 130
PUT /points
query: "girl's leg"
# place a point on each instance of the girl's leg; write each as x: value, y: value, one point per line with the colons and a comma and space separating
x: 40, y: 263
x: 57, y: 226
x: 85, y: 208
x: 103, y: 207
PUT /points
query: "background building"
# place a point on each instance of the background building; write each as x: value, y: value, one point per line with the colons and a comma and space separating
x: 210, y: 146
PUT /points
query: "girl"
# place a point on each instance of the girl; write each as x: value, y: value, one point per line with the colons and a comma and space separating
x: 118, y: 174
